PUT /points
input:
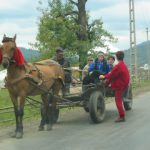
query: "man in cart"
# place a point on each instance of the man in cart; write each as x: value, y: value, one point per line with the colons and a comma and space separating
x: 59, y: 57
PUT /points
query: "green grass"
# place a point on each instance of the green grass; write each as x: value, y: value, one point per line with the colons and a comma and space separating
x: 4, y: 98
x: 31, y: 112
x: 7, y: 117
x: 140, y: 84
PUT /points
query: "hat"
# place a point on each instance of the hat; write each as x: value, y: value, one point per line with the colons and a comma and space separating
x: 89, y: 58
x: 59, y: 49
x: 101, y: 54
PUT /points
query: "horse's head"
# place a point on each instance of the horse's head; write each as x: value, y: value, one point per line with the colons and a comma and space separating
x: 7, y: 49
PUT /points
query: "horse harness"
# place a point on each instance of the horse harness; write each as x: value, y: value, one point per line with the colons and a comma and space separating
x: 29, y: 69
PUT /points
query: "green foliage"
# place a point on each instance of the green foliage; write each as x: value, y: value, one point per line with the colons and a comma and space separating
x: 55, y: 29
x: 59, y: 26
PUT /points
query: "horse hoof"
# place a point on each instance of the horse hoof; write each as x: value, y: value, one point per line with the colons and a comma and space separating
x: 13, y: 134
x: 49, y: 127
x: 19, y: 135
x: 41, y: 128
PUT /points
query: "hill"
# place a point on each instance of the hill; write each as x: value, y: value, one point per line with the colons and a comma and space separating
x: 29, y: 53
x: 143, y: 54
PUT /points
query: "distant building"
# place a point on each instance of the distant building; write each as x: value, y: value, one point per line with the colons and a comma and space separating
x: 2, y: 77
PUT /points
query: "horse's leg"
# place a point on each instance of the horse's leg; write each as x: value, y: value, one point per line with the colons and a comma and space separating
x: 53, y: 100
x: 49, y: 104
x: 45, y: 110
x: 13, y: 99
x: 19, y: 112
x: 43, y: 118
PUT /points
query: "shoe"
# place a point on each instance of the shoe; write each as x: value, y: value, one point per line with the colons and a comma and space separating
x: 120, y: 119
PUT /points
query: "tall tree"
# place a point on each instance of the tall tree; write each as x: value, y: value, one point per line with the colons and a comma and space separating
x: 82, y: 33
x: 67, y: 24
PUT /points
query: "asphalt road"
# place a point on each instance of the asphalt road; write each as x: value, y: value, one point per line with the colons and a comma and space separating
x: 75, y: 131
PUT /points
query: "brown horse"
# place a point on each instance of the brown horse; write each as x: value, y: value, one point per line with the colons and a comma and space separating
x: 29, y: 79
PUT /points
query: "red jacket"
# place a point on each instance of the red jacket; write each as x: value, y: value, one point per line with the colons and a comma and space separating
x: 119, y: 76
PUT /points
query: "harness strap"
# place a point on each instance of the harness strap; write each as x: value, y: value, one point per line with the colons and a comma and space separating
x: 26, y: 76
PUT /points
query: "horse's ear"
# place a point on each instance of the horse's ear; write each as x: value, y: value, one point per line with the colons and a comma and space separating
x: 15, y: 37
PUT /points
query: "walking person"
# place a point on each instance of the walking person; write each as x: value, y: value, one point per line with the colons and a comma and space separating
x: 119, y: 80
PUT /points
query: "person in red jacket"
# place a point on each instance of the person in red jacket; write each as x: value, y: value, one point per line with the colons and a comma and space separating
x: 119, y: 79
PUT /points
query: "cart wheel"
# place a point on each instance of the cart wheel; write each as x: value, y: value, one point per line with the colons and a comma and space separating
x: 127, y: 99
x: 86, y: 109
x: 56, y: 115
x: 86, y: 106
x: 97, y: 107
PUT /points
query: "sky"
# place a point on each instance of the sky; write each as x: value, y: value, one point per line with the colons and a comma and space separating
x: 21, y: 16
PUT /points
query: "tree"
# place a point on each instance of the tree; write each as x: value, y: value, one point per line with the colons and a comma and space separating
x: 67, y: 24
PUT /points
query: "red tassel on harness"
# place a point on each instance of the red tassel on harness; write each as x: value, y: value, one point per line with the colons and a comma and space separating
x: 18, y: 57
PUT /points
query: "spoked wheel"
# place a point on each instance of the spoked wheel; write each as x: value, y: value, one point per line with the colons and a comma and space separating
x: 97, y: 107
x: 128, y: 99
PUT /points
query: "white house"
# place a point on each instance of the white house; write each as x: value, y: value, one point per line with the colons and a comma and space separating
x: 2, y: 77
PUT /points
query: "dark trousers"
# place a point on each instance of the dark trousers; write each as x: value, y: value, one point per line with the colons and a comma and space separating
x: 93, y: 78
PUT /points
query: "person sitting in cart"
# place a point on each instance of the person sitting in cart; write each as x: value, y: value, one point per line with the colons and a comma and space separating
x: 95, y: 69
x: 119, y: 79
x: 90, y: 60
x: 111, y: 60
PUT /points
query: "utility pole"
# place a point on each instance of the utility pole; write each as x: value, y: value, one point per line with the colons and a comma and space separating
x: 148, y: 53
x: 147, y: 33
x: 133, y: 51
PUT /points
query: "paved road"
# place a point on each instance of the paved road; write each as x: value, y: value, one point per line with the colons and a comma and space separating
x: 74, y: 131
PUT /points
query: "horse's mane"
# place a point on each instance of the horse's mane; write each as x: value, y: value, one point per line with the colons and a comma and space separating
x: 7, y: 39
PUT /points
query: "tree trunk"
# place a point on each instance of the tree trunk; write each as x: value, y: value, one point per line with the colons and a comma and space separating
x: 82, y: 35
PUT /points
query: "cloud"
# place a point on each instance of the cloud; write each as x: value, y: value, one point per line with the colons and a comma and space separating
x: 25, y: 34
x: 20, y: 16
x: 17, y: 4
x: 115, y: 16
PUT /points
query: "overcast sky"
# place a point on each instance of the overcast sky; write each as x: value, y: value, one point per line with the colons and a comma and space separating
x: 21, y: 16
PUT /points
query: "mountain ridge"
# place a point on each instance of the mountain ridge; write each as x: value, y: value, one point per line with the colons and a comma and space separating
x: 29, y: 53
x: 143, y: 53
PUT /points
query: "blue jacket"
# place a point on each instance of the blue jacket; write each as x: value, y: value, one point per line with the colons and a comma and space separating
x: 101, y: 67
x: 110, y: 67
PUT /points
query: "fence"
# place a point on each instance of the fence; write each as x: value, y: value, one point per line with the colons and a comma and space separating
x: 32, y: 108
x: 7, y: 113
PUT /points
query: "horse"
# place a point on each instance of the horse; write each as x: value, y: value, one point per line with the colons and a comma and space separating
x: 28, y: 79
